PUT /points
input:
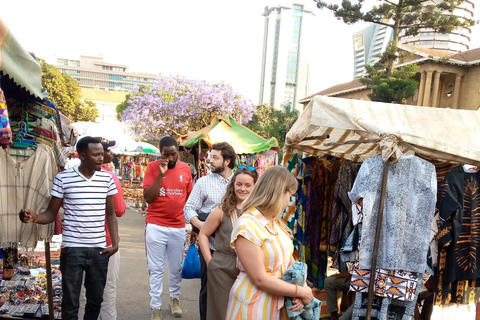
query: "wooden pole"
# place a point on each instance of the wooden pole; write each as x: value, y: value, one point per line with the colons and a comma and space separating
x: 373, y: 267
x: 48, y: 263
x: 199, y: 154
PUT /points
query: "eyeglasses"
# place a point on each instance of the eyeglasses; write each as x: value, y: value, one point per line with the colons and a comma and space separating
x: 249, y: 168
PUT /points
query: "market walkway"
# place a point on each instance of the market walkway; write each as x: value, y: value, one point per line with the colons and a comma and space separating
x: 132, y: 286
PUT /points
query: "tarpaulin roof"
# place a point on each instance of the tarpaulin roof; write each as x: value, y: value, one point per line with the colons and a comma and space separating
x: 358, y: 130
x: 19, y: 65
x: 226, y: 129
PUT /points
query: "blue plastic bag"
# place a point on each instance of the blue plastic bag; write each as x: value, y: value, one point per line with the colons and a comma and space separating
x: 191, y: 265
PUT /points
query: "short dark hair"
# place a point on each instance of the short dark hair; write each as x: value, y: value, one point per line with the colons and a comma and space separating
x: 168, y: 142
x: 82, y: 144
x: 228, y: 153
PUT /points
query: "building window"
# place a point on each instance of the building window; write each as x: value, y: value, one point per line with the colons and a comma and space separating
x: 297, y: 9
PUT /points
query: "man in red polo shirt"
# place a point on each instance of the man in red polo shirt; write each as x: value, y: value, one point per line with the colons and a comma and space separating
x: 166, y: 186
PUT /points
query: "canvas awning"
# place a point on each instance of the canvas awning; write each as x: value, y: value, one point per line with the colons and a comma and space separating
x: 19, y: 65
x: 358, y: 130
x: 226, y: 129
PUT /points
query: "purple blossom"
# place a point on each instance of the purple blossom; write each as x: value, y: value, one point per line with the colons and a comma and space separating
x: 175, y: 105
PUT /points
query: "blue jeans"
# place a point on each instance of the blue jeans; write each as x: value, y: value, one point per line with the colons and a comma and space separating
x: 73, y: 263
x: 297, y: 274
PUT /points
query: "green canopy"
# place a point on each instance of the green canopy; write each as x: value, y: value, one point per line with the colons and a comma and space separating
x: 19, y: 65
x: 226, y: 129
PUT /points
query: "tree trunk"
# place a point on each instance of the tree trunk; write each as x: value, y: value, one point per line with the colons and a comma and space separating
x: 396, y: 32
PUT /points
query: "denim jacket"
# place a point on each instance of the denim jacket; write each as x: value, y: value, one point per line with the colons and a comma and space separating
x: 297, y: 274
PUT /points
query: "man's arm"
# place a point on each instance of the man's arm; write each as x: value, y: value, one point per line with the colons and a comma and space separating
x: 151, y: 193
x: 193, y: 205
x: 112, y: 227
x: 45, y: 217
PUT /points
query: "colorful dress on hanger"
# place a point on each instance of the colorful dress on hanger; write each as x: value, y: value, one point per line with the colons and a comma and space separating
x: 5, y: 130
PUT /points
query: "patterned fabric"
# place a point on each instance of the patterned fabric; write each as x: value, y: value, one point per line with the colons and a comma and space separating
x: 5, y: 130
x: 247, y: 301
x: 393, y: 284
x: 341, y: 221
x: 459, y: 238
x: 409, y: 208
x: 25, y: 183
x: 384, y: 308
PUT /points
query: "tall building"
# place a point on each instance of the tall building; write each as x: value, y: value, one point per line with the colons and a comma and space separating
x: 91, y: 72
x: 288, y: 36
x: 456, y: 41
x: 368, y: 45
x: 370, y: 42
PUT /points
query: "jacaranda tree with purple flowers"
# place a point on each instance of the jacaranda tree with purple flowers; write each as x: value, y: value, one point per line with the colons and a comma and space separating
x: 175, y: 106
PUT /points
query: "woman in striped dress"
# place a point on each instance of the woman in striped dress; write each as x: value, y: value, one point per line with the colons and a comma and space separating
x: 264, y: 248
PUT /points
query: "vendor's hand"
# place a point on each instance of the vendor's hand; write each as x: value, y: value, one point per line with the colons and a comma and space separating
x: 305, y: 293
x: 109, y: 251
x: 163, y: 166
x: 342, y: 275
x: 297, y: 304
x: 193, y: 238
x: 27, y: 216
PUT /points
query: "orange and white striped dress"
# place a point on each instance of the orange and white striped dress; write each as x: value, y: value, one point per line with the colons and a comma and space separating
x: 246, y: 301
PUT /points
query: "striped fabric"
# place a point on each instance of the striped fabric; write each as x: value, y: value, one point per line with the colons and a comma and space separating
x: 246, y: 301
x: 359, y: 130
x: 84, y: 202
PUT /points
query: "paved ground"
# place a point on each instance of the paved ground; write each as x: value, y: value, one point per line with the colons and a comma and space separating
x: 133, y: 300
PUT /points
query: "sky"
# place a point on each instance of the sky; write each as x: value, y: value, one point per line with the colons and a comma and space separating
x: 213, y: 40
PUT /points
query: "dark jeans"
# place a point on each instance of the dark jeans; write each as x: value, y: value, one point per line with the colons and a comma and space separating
x: 73, y: 263
x: 203, y: 287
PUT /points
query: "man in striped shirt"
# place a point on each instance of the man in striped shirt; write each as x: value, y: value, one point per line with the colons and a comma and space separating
x: 87, y: 196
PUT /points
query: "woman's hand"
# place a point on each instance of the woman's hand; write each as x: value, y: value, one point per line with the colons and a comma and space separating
x: 297, y: 304
x: 305, y: 294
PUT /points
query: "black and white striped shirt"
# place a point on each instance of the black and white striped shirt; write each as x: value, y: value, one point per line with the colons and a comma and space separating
x: 84, y: 202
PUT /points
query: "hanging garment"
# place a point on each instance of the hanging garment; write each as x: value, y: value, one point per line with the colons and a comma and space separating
x: 393, y: 284
x: 459, y: 238
x: 25, y: 183
x: 341, y: 221
x: 408, y: 213
x: 5, y: 130
x: 384, y: 308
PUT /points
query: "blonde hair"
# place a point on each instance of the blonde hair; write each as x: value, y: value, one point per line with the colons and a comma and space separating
x: 267, y: 193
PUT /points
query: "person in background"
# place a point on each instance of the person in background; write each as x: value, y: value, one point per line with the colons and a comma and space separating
x: 263, y: 243
x: 87, y: 194
x: 334, y: 283
x: 109, y: 304
x: 222, y: 270
x: 166, y: 187
x: 116, y: 163
x: 207, y: 195
x: 73, y: 162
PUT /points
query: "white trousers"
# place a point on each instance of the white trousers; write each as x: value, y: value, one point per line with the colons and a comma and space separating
x: 109, y: 304
x: 164, y: 243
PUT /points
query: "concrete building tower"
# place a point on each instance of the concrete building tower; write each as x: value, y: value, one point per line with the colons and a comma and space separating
x: 457, y: 41
x: 286, y: 53
x: 368, y: 45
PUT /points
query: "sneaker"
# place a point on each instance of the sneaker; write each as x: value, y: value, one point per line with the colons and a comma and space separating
x: 175, y: 308
x: 156, y: 314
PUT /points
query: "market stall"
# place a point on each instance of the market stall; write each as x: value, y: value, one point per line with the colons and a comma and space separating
x: 252, y: 149
x: 32, y: 139
x: 342, y: 134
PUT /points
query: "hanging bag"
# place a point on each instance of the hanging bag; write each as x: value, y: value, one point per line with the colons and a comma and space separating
x: 191, y: 265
